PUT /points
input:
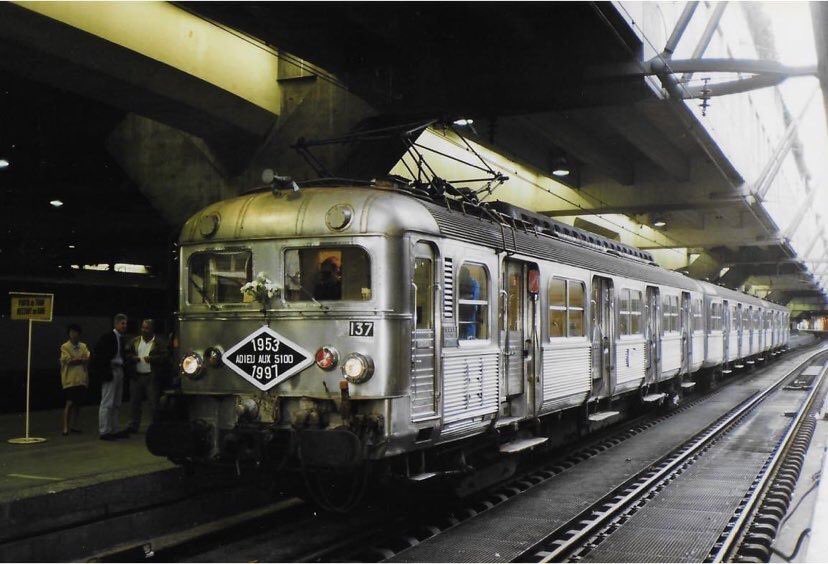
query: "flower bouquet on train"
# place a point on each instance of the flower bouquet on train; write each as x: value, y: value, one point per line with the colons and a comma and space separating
x: 262, y: 290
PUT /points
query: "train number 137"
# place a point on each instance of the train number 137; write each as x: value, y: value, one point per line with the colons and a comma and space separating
x: 361, y: 329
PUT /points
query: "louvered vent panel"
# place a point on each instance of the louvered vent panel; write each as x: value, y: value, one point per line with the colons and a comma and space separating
x: 448, y: 288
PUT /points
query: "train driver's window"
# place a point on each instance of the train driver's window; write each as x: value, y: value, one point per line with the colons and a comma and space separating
x: 216, y: 277
x: 423, y: 277
x: 327, y: 274
x: 473, y: 302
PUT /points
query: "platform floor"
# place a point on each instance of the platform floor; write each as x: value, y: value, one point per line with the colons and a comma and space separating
x: 67, y: 462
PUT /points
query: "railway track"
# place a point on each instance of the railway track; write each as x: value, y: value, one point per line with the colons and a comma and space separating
x: 747, y: 533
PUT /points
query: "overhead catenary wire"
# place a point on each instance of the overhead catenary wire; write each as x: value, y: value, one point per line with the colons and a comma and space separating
x: 518, y: 175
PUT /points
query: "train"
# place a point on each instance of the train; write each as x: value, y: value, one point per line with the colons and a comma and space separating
x: 423, y: 333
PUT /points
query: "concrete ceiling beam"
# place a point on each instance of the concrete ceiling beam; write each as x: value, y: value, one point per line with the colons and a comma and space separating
x: 563, y: 132
x: 649, y: 140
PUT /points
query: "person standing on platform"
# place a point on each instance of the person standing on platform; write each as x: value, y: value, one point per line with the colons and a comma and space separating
x: 108, y: 365
x: 74, y: 377
x: 150, y: 354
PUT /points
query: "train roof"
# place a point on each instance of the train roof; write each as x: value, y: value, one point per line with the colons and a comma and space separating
x: 390, y: 211
x: 735, y: 295
x: 287, y: 214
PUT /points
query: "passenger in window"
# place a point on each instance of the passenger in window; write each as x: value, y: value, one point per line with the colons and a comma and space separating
x: 329, y: 286
x: 470, y: 290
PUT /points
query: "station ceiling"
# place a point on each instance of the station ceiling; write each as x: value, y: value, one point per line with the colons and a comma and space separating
x: 521, y: 71
x: 54, y: 141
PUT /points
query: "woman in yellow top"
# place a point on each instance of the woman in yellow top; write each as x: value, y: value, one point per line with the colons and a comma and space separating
x: 74, y: 376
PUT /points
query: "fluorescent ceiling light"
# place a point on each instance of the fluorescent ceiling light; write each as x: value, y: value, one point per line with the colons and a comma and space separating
x: 56, y: 203
x: 463, y: 122
x: 561, y: 167
x: 659, y: 223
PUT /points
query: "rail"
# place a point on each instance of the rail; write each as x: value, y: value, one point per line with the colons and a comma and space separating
x: 607, y: 512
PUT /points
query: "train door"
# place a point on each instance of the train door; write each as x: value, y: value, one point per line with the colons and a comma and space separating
x: 517, y: 337
x: 424, y: 385
x: 727, y: 327
x: 686, y: 324
x: 652, y: 332
x: 603, y: 338
x: 739, y: 332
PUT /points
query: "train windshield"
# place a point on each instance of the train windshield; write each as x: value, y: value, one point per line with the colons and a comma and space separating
x: 327, y: 274
x: 216, y: 277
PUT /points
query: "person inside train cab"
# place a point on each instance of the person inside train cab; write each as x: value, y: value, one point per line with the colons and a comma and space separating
x: 329, y: 286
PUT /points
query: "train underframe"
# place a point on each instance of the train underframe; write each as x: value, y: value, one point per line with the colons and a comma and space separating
x: 346, y: 458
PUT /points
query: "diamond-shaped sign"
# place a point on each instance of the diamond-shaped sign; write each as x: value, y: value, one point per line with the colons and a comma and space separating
x: 264, y: 358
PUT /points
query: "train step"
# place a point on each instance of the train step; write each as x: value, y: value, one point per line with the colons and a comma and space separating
x: 601, y: 415
x: 652, y: 398
x: 521, y: 445
x: 422, y: 477
x: 688, y: 385
x: 506, y: 421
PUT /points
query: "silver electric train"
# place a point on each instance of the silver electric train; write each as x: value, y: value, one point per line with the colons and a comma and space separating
x: 336, y: 326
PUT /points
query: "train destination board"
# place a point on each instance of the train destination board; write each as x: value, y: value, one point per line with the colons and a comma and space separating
x: 264, y: 358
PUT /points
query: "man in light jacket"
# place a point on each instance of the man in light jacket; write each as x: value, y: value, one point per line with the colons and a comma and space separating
x: 148, y: 355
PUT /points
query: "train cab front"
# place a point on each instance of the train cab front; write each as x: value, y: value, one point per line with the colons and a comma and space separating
x: 281, y: 369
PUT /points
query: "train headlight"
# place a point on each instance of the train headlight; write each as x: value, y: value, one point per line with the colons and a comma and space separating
x: 212, y: 356
x: 192, y: 365
x: 357, y: 368
x: 327, y: 358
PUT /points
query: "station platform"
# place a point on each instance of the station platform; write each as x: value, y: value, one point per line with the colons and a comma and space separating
x: 77, y: 498
x: 53, y: 486
x: 64, y: 462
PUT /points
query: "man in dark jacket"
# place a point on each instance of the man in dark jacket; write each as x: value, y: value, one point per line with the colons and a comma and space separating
x: 108, y: 366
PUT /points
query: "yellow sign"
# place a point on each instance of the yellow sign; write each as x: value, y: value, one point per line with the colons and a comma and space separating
x: 27, y: 305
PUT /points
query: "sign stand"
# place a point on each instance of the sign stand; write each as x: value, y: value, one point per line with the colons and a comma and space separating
x: 30, y: 307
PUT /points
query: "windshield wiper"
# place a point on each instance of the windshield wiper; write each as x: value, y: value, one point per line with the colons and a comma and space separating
x: 200, y: 291
x: 295, y: 280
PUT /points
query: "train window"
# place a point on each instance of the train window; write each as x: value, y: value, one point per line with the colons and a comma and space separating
x: 216, y: 277
x: 557, y: 308
x: 514, y: 305
x: 629, y: 312
x: 423, y: 276
x: 566, y: 308
x: 576, y: 293
x: 698, y: 320
x: 715, y: 316
x: 669, y: 314
x: 327, y: 274
x: 473, y: 302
